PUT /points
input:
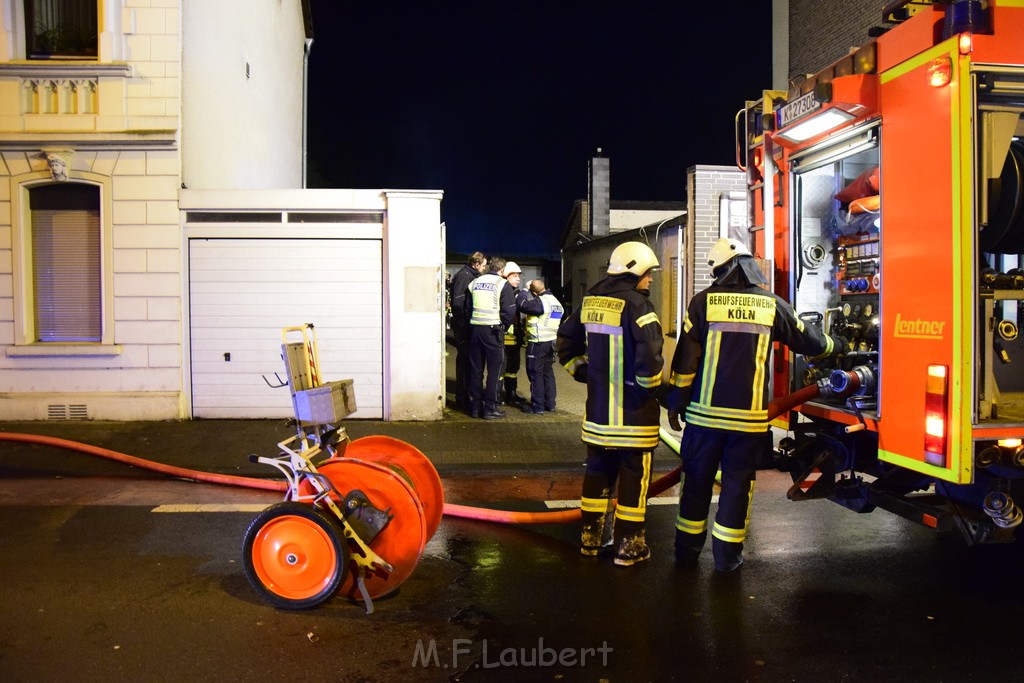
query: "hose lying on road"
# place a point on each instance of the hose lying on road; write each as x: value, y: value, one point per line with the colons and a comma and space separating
x: 658, y: 486
x: 170, y: 470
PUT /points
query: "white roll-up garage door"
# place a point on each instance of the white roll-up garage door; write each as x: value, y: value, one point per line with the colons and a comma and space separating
x: 242, y: 292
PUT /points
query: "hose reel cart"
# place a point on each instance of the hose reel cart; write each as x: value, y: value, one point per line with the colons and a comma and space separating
x: 356, y: 514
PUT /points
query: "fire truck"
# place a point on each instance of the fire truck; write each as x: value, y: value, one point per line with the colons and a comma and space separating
x: 887, y: 195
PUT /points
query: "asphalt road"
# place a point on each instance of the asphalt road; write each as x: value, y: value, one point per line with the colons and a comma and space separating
x: 99, y: 585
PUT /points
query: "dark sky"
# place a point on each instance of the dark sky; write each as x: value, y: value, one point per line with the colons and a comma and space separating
x: 502, y: 104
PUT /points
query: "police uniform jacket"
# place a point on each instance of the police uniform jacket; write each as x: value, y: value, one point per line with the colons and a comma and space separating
x: 613, y: 343
x: 490, y: 302
x: 543, y: 315
x: 721, y: 363
x: 460, y: 290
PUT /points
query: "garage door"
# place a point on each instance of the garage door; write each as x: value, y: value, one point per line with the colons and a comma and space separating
x: 242, y: 292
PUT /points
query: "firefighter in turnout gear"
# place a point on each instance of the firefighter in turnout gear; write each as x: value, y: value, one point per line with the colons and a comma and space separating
x: 491, y: 308
x: 543, y: 315
x: 720, y: 379
x: 613, y: 343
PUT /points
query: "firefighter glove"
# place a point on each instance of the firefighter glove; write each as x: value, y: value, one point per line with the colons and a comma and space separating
x: 840, y: 344
x: 580, y: 373
x: 673, y: 419
x: 674, y: 402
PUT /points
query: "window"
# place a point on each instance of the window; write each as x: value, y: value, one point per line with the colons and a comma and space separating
x: 66, y: 263
x: 56, y: 29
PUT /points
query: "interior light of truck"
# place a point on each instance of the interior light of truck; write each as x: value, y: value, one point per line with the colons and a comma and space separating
x: 940, y: 71
x: 1009, y: 443
x: 935, y: 415
x: 966, y: 43
x: 815, y: 125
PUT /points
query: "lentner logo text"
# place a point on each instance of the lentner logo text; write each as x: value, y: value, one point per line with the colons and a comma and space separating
x: 918, y: 329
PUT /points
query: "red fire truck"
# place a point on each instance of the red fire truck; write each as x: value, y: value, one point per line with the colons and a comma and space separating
x: 887, y: 192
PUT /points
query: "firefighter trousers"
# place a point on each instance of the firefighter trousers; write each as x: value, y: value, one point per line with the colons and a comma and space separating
x: 704, y: 451
x: 510, y: 373
x: 630, y: 468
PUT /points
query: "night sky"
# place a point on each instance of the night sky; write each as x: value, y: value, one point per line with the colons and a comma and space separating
x: 500, y: 105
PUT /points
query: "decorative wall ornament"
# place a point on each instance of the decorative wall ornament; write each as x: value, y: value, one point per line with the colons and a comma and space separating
x: 58, y: 161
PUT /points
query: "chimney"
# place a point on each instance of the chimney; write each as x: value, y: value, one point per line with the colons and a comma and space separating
x: 599, y: 195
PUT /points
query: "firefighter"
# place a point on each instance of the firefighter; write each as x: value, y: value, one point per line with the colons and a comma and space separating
x: 719, y: 379
x: 490, y: 308
x: 543, y: 315
x: 515, y: 337
x: 613, y: 343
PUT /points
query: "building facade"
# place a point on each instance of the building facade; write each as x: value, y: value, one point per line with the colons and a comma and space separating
x: 136, y: 138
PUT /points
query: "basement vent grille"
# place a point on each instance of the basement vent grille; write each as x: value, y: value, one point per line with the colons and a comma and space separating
x: 67, y: 412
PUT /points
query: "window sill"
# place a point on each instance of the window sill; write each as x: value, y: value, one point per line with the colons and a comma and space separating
x: 63, y: 350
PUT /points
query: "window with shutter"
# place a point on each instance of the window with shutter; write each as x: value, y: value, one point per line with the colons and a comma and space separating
x: 66, y: 262
x: 57, y: 29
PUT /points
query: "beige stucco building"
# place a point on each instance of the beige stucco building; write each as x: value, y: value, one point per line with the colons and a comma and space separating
x: 151, y: 154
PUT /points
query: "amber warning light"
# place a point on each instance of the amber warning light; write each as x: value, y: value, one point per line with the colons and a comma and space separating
x: 935, y: 415
x: 940, y: 71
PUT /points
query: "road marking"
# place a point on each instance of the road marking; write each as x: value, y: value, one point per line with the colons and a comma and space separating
x: 211, y: 507
x: 664, y: 500
x: 260, y: 507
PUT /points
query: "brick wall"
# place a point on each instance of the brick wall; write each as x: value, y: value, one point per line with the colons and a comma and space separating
x: 706, y: 185
x: 823, y: 31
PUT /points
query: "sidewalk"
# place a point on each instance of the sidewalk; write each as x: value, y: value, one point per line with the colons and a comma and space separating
x: 457, y: 443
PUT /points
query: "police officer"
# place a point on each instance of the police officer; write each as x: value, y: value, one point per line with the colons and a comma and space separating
x: 474, y: 267
x: 514, y: 339
x: 543, y: 315
x: 720, y: 379
x: 613, y: 343
x: 491, y: 308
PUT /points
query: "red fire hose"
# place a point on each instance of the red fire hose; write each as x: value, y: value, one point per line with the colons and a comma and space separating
x: 660, y: 485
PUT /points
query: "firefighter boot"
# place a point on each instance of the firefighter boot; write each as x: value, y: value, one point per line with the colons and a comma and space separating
x: 728, y: 556
x: 688, y: 547
x: 512, y: 398
x: 630, y: 544
x: 597, y: 532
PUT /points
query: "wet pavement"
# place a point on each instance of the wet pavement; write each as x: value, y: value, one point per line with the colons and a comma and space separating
x: 100, y: 579
x: 114, y: 572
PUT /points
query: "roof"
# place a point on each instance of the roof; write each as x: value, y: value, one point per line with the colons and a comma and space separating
x: 576, y: 216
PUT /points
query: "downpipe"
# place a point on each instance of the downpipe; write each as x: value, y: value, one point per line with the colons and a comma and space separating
x: 660, y: 485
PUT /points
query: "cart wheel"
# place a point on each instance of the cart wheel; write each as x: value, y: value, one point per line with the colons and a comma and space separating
x: 410, y: 464
x: 401, y: 542
x: 295, y: 556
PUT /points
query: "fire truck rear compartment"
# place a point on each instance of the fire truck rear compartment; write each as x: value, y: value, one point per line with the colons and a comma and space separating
x: 836, y: 266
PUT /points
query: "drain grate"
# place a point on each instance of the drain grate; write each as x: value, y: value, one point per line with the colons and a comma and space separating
x: 67, y: 412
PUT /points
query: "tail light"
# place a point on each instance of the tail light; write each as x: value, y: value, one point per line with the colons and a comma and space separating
x: 935, y: 415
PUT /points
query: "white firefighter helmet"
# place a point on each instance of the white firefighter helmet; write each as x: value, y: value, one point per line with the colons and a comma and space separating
x: 511, y: 268
x: 632, y: 257
x: 724, y: 250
